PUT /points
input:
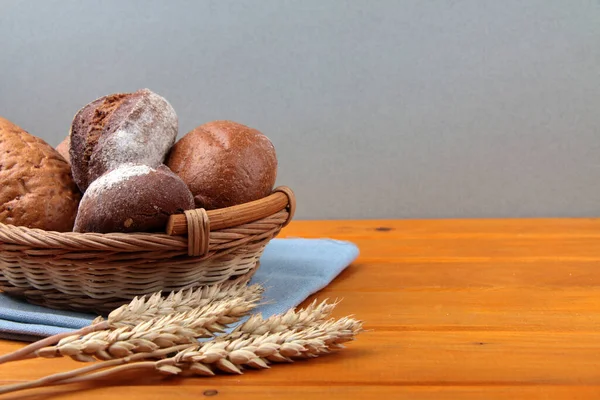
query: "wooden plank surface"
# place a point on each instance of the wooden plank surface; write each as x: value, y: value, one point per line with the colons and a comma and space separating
x: 454, y: 309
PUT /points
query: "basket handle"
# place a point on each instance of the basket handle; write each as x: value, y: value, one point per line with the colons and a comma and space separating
x: 198, y: 230
x: 282, y: 197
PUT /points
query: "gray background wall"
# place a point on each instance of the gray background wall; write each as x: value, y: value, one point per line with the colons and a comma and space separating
x: 380, y: 109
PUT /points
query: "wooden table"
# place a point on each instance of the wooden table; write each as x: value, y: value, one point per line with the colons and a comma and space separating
x: 455, y: 309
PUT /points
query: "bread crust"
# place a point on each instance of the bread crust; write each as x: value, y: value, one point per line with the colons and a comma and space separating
x: 132, y: 198
x: 225, y: 163
x: 36, y: 186
x: 63, y: 148
x: 118, y: 129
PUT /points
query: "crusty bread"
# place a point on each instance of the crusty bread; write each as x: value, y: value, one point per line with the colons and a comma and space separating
x: 137, y: 128
x: 63, y: 148
x: 36, y: 186
x: 225, y: 163
x: 132, y: 198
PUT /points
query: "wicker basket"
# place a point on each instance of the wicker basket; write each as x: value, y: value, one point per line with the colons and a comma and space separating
x: 98, y: 272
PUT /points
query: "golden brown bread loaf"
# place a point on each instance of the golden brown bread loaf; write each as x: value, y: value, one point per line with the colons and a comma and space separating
x: 36, y: 186
x: 225, y: 163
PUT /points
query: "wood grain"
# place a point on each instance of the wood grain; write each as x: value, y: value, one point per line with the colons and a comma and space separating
x: 331, y: 392
x: 466, y: 274
x: 455, y: 309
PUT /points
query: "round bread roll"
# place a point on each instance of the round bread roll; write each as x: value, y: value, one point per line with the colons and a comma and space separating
x: 132, y: 198
x: 137, y: 128
x: 36, y: 186
x: 225, y: 163
x: 63, y: 148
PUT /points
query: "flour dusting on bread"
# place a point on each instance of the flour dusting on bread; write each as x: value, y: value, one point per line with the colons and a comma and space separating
x: 144, y: 137
x: 117, y: 176
x: 117, y: 129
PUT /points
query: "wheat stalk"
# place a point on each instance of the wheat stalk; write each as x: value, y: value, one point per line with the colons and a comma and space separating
x: 144, y: 309
x: 30, y: 350
x: 233, y: 354
x: 230, y: 355
x: 303, y: 318
x: 152, y: 334
x: 64, y: 377
x: 183, y: 327
x: 160, y: 334
x: 150, y: 307
x: 257, y: 351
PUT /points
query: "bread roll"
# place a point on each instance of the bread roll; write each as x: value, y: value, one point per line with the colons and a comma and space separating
x: 225, y: 163
x: 132, y: 198
x: 137, y: 128
x: 36, y: 186
x: 63, y: 148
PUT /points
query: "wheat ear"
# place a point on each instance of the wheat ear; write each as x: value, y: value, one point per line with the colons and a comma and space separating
x: 150, y: 307
x: 153, y: 334
x: 29, y: 350
x: 231, y: 355
x: 306, y: 317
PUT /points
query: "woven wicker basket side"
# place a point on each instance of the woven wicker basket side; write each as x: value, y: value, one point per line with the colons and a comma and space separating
x: 96, y: 272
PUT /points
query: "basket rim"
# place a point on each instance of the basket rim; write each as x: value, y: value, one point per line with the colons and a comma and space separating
x: 281, y: 198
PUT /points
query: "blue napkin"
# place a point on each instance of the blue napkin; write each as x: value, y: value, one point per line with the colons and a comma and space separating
x: 290, y: 270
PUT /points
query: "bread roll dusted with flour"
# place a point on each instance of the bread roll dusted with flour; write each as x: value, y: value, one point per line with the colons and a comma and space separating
x: 137, y: 128
x: 36, y: 186
x: 225, y: 163
x: 132, y: 198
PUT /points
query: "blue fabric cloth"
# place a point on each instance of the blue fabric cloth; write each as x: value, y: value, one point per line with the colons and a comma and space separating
x: 290, y: 270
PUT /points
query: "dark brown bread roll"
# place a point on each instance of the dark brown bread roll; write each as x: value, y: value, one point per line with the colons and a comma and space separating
x: 225, y: 163
x: 137, y: 128
x: 63, y: 148
x: 132, y: 198
x: 36, y: 186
